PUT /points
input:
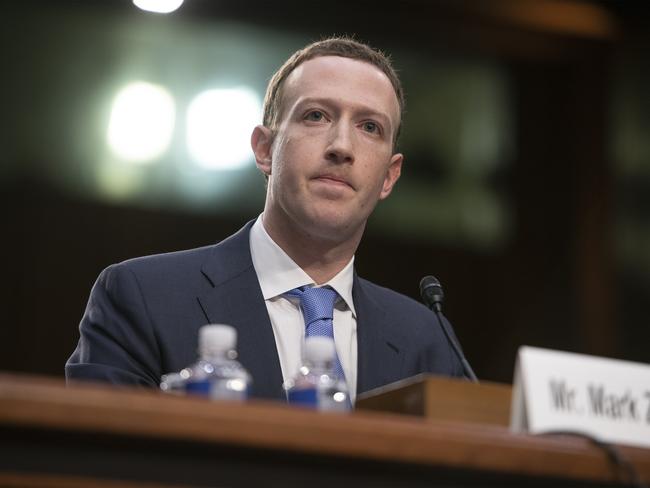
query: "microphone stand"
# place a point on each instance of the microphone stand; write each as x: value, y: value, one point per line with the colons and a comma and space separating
x: 433, y: 296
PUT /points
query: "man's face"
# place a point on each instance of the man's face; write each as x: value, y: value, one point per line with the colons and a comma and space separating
x: 331, y: 158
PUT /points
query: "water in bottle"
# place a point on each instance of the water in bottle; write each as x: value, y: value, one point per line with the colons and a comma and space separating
x: 316, y: 385
x: 217, y: 374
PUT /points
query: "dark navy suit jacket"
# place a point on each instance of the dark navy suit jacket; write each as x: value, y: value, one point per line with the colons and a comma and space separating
x: 143, y: 317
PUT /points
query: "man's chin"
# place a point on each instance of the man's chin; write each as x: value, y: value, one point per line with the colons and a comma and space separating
x: 336, y: 227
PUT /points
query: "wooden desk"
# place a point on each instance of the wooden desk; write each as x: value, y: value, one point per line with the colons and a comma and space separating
x: 93, y: 435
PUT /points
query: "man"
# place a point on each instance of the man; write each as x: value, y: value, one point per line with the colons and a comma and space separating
x: 331, y: 118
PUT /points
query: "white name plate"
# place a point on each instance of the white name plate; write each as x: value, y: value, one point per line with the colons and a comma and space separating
x: 559, y: 391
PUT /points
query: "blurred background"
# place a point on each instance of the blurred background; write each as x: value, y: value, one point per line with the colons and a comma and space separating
x: 526, y: 186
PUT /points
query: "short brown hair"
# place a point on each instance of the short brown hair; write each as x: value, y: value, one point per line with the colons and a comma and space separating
x: 333, y: 46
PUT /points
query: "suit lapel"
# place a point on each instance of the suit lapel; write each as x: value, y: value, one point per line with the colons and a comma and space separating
x: 235, y: 298
x: 380, y: 343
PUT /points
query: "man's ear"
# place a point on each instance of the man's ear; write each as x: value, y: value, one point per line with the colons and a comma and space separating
x: 392, y: 175
x: 261, y: 142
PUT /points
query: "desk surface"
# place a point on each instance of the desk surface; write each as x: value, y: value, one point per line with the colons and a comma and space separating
x: 43, y: 415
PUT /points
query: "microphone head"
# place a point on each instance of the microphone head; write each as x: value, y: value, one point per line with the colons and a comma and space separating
x: 431, y: 292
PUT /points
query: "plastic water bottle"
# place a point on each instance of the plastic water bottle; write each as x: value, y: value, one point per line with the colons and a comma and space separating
x: 317, y: 385
x: 173, y: 383
x: 217, y: 374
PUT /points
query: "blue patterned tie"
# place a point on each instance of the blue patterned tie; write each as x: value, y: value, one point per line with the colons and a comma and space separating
x: 318, y: 310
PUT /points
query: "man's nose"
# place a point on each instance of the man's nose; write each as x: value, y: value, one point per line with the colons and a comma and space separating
x: 340, y: 148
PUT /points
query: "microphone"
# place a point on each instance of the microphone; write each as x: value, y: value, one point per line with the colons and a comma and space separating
x: 433, y: 297
x: 432, y: 294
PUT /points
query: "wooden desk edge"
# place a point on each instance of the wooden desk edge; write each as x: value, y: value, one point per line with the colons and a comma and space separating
x: 43, y: 403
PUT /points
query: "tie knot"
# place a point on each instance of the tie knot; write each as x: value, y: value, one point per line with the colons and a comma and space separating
x: 316, y: 303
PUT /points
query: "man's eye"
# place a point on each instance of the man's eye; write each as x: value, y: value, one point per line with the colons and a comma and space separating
x: 315, y: 116
x: 370, y: 127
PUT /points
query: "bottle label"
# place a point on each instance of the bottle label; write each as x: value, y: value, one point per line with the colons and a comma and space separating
x: 199, y: 387
x: 218, y: 390
x: 306, y: 397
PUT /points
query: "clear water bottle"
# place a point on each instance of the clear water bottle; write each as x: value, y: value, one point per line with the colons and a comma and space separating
x: 317, y: 385
x: 217, y: 374
x: 173, y: 383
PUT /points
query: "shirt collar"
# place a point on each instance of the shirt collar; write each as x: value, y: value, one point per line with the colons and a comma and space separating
x: 278, y: 273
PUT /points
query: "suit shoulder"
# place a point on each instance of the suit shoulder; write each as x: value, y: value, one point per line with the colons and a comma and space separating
x: 156, y: 267
x: 183, y: 257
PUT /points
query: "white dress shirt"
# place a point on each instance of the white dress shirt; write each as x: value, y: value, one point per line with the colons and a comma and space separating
x: 278, y: 274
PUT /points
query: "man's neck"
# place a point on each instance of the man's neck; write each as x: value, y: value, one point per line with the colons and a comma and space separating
x: 321, y: 259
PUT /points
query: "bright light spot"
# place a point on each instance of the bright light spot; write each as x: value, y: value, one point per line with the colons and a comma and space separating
x: 158, y: 6
x: 142, y: 122
x: 219, y: 125
x: 236, y: 385
x: 339, y: 397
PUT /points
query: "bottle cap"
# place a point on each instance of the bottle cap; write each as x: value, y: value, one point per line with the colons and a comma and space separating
x: 319, y: 349
x: 215, y: 338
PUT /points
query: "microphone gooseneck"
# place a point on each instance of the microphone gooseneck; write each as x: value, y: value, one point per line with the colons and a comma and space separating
x: 433, y: 297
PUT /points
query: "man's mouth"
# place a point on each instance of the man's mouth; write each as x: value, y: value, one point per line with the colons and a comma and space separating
x: 334, y: 180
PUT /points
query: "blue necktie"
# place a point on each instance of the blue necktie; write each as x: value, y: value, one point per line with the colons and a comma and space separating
x: 318, y: 310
